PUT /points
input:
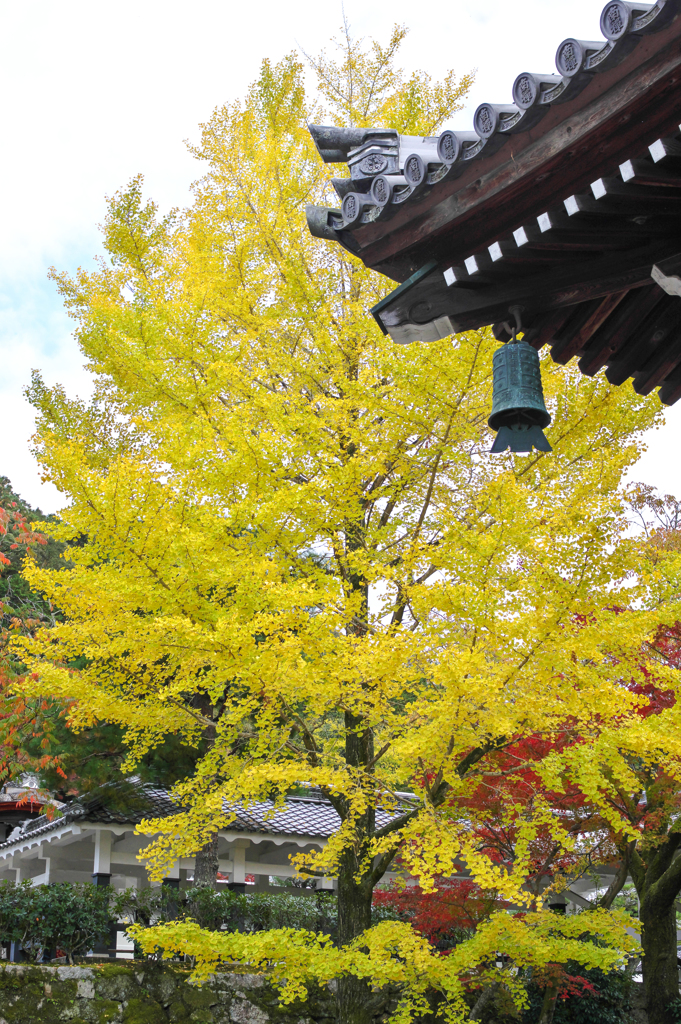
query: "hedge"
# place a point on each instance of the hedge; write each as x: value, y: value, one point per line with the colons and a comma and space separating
x: 70, y: 918
x: 64, y: 917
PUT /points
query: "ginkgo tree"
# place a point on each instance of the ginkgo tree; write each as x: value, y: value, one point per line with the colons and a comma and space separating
x: 296, y: 550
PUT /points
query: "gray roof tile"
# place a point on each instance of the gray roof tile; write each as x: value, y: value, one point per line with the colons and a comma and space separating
x: 311, y: 815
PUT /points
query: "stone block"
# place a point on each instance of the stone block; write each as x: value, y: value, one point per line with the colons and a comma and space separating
x: 144, y: 1011
x: 85, y: 989
x: 246, y: 981
x: 199, y: 997
x: 69, y: 973
x: 162, y: 986
x: 117, y: 983
x: 221, y: 1013
x: 242, y: 1011
x: 178, y: 1012
x: 102, y: 1011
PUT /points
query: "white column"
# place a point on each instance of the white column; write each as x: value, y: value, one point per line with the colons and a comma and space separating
x: 43, y: 879
x: 239, y: 860
x: 103, y: 841
x: 20, y: 868
x: 46, y: 852
x: 325, y: 883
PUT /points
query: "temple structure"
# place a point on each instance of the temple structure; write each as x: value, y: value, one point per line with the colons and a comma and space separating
x: 97, y: 840
x: 565, y: 202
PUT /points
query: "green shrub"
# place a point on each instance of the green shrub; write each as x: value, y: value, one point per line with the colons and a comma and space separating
x: 69, y: 916
x: 25, y: 917
x: 317, y: 913
x: 144, y: 906
x: 74, y: 917
x: 259, y: 911
x: 609, y: 1006
x: 79, y: 914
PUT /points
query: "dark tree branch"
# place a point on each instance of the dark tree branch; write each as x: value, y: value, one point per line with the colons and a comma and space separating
x: 617, y: 884
x: 381, y: 866
x: 637, y: 869
x: 665, y: 889
x: 438, y: 793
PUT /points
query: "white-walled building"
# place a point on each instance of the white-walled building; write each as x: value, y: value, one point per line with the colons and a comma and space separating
x: 98, y: 842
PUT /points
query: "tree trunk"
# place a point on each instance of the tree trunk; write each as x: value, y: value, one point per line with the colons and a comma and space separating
x: 660, y: 970
x: 206, y: 863
x: 548, y: 1007
x: 355, y: 1001
x: 483, y: 1001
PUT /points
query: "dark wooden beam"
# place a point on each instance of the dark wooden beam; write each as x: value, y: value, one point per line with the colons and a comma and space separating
x: 670, y: 392
x: 582, y: 238
x: 549, y: 325
x: 644, y: 344
x: 619, y: 327
x: 618, y: 197
x: 563, y: 351
x: 666, y: 152
x: 646, y: 380
x: 616, y: 272
x: 506, y: 254
x: 646, y: 173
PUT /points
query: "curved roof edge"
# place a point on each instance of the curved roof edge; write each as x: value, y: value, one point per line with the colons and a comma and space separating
x: 391, y: 173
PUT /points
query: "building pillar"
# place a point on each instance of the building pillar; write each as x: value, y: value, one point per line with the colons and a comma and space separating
x: 173, y: 877
x: 20, y: 868
x: 16, y: 954
x: 101, y: 874
x: 239, y: 848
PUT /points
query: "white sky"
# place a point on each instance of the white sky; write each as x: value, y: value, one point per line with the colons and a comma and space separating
x: 93, y: 93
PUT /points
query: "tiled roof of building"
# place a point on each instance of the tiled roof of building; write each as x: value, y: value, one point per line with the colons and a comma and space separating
x: 310, y: 815
x: 564, y: 204
x: 388, y: 170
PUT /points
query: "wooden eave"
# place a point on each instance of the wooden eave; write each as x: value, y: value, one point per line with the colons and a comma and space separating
x: 566, y: 219
x: 620, y: 112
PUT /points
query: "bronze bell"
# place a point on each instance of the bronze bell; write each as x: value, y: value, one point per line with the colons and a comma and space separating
x: 518, y: 410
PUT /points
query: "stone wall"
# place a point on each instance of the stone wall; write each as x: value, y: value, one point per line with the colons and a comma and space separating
x: 146, y: 993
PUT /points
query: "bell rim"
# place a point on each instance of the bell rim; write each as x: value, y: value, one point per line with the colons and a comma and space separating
x: 539, y: 418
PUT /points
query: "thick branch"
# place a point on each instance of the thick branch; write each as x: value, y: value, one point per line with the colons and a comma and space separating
x: 637, y: 869
x: 381, y: 866
x: 616, y: 886
x: 664, y: 891
x: 659, y: 864
x: 483, y: 1001
x: 438, y: 795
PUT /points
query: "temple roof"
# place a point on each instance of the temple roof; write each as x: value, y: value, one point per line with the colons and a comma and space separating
x: 309, y: 816
x: 566, y: 202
